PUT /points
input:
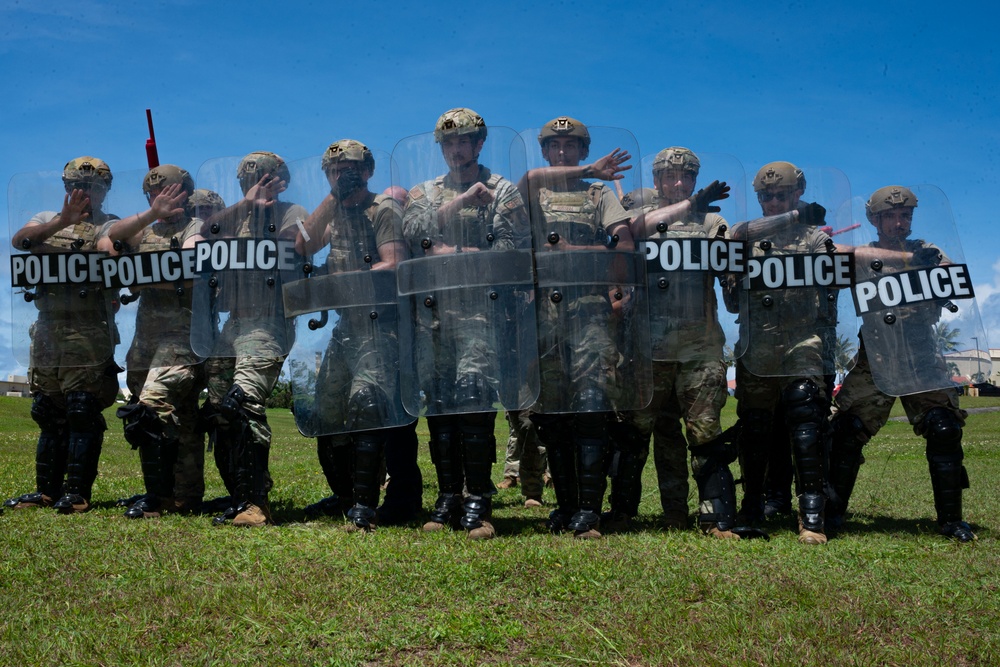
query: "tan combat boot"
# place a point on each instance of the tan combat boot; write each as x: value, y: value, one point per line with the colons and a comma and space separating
x: 253, y: 516
x: 508, y: 482
x: 485, y: 532
x: 532, y: 502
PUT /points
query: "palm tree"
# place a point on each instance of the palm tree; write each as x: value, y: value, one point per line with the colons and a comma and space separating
x: 946, y: 337
x: 843, y: 354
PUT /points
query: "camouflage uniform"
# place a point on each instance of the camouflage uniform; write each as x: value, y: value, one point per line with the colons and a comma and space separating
x: 686, y: 331
x: 526, y: 458
x: 162, y: 418
x: 72, y: 374
x: 462, y: 445
x: 578, y: 358
x: 787, y: 338
x: 352, y: 383
x: 861, y: 410
x: 244, y: 368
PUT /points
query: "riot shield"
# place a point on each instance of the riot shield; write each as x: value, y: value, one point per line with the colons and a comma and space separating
x: 246, y: 255
x: 591, y: 297
x: 466, y: 317
x: 346, y: 352
x: 796, y: 319
x: 920, y: 324
x: 690, y: 258
x: 154, y: 295
x: 61, y: 315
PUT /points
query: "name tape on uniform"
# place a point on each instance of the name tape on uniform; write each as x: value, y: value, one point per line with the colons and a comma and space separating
x: 149, y: 268
x: 833, y: 270
x: 57, y: 268
x: 914, y: 286
x: 694, y: 254
x: 244, y: 254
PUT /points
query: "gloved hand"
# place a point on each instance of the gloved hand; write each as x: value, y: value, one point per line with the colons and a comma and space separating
x: 715, y: 191
x: 348, y: 183
x: 812, y: 214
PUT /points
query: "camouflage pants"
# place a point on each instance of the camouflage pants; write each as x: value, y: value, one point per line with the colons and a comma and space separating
x: 576, y: 349
x: 352, y: 362
x: 861, y: 398
x: 249, y: 354
x: 526, y: 457
x: 72, y: 357
x: 694, y: 391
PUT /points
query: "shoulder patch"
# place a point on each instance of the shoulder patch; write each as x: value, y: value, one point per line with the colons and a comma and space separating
x: 416, y: 192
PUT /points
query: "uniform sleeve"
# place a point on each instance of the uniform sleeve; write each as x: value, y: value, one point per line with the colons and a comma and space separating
x: 419, y: 218
x: 388, y: 223
x: 610, y: 210
x: 713, y: 223
x: 510, y: 224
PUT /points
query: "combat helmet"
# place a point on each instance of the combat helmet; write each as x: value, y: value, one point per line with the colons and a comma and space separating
x: 889, y: 197
x: 564, y: 126
x: 778, y: 175
x: 159, y: 177
x: 256, y: 164
x: 348, y: 150
x: 205, y: 203
x: 456, y: 122
x: 676, y: 157
x: 89, y: 170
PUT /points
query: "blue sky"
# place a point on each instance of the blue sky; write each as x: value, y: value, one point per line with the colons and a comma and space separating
x: 886, y: 92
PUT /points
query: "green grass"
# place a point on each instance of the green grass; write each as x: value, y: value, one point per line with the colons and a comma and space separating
x: 97, y: 589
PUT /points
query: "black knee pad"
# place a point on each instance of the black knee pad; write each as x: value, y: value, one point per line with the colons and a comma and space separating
x: 141, y: 424
x: 591, y: 399
x: 943, y: 432
x: 83, y: 413
x: 367, y: 409
x: 711, y: 456
x: 231, y: 407
x: 472, y: 390
x: 804, y: 404
x: 46, y: 414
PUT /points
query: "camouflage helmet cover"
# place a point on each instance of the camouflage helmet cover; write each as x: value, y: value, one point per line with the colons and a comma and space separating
x: 348, y: 150
x: 458, y: 122
x: 564, y: 126
x: 87, y: 169
x: 167, y: 174
x: 779, y: 175
x: 889, y: 197
x: 206, y: 199
x: 256, y: 164
x: 676, y: 157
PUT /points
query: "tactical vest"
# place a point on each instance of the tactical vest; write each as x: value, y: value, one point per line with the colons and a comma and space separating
x: 353, y: 245
x: 72, y: 301
x: 162, y: 310
x: 573, y: 215
x: 473, y: 227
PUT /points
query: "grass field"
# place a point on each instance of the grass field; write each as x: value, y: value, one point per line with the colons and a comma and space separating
x: 97, y: 589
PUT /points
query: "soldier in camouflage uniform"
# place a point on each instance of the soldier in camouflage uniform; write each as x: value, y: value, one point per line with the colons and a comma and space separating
x: 364, y: 232
x: 788, y: 334
x: 526, y: 459
x: 861, y: 409
x: 466, y: 210
x: 164, y: 375
x: 243, y: 371
x: 576, y: 214
x: 74, y: 334
x: 687, y: 347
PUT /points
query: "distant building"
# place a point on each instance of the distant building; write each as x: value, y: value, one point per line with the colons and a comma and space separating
x: 970, y: 363
x: 15, y: 385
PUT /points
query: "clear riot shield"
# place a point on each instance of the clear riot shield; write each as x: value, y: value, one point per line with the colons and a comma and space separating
x: 154, y: 301
x: 690, y: 258
x: 796, y: 314
x: 346, y: 351
x: 466, y: 316
x: 246, y: 255
x: 61, y: 315
x: 920, y: 324
x: 591, y: 298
